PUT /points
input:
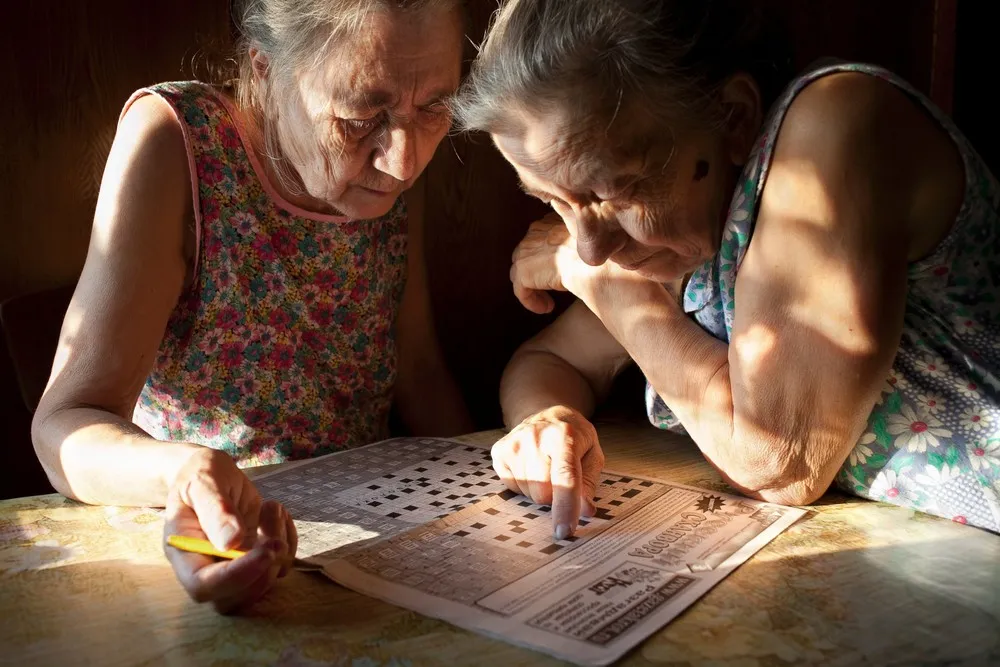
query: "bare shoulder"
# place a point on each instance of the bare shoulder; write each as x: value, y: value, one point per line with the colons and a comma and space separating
x: 146, y: 197
x: 863, y: 149
x: 837, y: 109
x: 150, y: 127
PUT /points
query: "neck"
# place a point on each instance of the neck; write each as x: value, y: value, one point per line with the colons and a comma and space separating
x: 295, y: 192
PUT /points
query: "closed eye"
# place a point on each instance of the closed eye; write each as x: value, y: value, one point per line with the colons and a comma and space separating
x: 361, y: 127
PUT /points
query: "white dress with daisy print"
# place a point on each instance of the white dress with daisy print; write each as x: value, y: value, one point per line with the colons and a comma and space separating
x: 933, y: 439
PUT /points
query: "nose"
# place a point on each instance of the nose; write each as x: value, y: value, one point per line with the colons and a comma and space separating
x: 597, y: 237
x: 396, y: 155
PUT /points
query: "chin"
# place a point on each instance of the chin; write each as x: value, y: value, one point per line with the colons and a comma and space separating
x: 364, y: 206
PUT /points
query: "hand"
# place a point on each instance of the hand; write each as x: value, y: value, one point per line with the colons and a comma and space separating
x: 546, y: 259
x: 213, y: 499
x: 554, y: 458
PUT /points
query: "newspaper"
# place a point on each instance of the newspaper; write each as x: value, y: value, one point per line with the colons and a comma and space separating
x: 485, y: 559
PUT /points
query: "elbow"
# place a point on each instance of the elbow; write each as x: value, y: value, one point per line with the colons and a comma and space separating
x: 792, y: 494
x: 771, y: 474
x: 48, y: 453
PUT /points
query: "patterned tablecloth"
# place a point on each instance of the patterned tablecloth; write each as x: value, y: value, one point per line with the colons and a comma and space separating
x: 854, y: 583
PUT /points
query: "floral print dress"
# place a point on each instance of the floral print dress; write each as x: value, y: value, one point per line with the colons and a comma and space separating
x: 933, y: 439
x: 282, y: 347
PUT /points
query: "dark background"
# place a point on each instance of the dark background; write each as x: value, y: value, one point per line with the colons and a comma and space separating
x: 67, y: 69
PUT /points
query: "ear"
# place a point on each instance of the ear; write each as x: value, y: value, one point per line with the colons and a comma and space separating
x: 260, y: 62
x: 740, y: 98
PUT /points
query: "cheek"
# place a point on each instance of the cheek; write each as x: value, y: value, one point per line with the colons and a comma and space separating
x: 650, y: 223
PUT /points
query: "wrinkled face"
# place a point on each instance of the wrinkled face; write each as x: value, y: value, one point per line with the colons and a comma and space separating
x: 362, y: 126
x: 635, y: 195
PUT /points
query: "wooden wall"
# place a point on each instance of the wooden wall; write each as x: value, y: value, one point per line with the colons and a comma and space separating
x: 69, y: 66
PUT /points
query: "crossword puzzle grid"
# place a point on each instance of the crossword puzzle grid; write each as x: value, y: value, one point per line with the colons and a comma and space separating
x: 440, y: 484
x: 379, y: 490
x: 525, y: 526
x: 488, y: 547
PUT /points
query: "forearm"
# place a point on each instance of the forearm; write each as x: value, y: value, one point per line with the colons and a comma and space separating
x: 687, y: 367
x: 536, y: 380
x: 100, y: 458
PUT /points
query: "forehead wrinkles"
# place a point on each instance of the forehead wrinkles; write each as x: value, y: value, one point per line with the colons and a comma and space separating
x: 568, y: 160
x: 391, y: 62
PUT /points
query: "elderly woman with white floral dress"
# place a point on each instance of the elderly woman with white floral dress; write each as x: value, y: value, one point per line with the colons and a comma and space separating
x: 767, y: 251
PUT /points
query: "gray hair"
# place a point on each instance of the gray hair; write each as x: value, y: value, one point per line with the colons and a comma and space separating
x: 593, y: 57
x: 297, y: 35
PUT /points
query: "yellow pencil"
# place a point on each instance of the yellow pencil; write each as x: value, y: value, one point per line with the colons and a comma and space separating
x: 197, y: 545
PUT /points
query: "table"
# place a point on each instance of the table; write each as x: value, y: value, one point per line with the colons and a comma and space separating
x: 853, y: 583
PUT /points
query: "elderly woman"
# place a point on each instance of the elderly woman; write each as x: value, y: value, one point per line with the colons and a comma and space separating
x: 243, y: 299
x: 808, y: 280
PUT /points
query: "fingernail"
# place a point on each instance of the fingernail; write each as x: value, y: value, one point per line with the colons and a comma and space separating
x: 562, y: 531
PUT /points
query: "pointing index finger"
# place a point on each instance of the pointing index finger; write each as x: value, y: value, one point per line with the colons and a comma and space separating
x: 556, y: 442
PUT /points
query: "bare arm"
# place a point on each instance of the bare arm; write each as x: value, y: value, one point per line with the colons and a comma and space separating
x: 572, y: 363
x: 132, y: 279
x: 820, y: 299
x: 427, y: 396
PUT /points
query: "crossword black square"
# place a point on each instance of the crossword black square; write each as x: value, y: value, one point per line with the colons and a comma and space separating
x: 478, y: 526
x: 392, y: 496
x: 551, y: 549
x: 631, y: 493
x: 515, y: 522
x: 518, y: 530
x: 394, y: 515
x: 530, y: 515
x: 524, y: 544
x: 501, y: 538
x: 374, y: 487
x: 524, y: 503
x: 492, y: 510
x: 410, y: 508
